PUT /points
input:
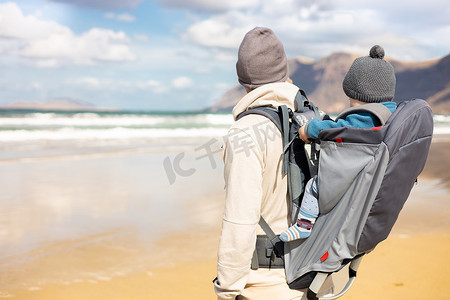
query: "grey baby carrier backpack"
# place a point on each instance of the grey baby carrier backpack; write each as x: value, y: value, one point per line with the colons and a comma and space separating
x: 365, y: 176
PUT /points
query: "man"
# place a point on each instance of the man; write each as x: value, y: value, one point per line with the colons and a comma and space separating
x: 254, y: 184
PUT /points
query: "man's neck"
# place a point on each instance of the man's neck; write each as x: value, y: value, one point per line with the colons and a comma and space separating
x: 354, y: 102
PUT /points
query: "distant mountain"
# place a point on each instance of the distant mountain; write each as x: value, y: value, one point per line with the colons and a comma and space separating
x: 322, y: 81
x: 430, y: 82
x: 53, y: 104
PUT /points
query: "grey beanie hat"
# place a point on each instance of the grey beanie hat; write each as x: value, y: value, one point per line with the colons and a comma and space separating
x: 370, y: 78
x: 261, y: 59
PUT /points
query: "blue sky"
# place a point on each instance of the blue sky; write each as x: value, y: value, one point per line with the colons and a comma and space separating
x: 181, y: 54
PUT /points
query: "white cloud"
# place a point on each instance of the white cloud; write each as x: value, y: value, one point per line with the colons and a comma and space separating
x: 14, y: 25
x: 155, y: 86
x: 102, y: 4
x: 110, y: 15
x: 216, y: 32
x: 92, y: 83
x: 141, y: 37
x: 225, y: 56
x: 102, y: 84
x: 36, y: 85
x: 317, y: 28
x: 209, y: 5
x: 47, y: 43
x: 152, y: 83
x: 126, y: 18
x: 120, y: 17
x: 182, y: 82
x: 95, y: 45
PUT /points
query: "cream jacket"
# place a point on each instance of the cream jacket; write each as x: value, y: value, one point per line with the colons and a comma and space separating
x: 254, y: 187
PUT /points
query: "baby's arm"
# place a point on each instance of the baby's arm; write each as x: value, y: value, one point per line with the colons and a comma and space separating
x: 302, y: 133
x: 317, y: 125
x: 312, y: 129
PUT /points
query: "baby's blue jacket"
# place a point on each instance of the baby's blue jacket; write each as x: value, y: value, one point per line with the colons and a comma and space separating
x: 361, y: 120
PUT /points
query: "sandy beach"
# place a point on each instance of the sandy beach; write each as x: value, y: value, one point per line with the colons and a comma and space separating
x: 180, y: 264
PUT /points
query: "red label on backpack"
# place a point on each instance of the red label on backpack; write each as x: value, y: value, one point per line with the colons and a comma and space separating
x: 376, y: 128
x: 324, y: 257
x: 339, y: 140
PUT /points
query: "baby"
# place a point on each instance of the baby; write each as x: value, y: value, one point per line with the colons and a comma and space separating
x: 370, y: 79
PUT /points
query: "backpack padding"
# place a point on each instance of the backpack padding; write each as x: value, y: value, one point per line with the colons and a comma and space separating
x: 266, y: 111
x: 408, y: 139
x: 379, y: 110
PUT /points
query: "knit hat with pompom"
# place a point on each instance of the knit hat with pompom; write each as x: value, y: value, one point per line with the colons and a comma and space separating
x: 370, y: 78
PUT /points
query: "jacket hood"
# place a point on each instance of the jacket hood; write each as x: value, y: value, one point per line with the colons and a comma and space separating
x: 273, y: 94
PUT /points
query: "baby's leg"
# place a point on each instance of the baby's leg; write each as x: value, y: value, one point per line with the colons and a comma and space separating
x: 309, y: 210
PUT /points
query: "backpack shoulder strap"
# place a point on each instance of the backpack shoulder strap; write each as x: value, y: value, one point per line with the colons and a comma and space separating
x: 379, y: 110
x: 267, y: 111
x: 280, y: 117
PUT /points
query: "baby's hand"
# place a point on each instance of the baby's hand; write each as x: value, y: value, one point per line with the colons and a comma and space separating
x: 302, y: 133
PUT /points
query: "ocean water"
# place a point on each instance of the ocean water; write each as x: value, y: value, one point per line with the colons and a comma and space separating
x: 31, y: 134
x: 40, y: 125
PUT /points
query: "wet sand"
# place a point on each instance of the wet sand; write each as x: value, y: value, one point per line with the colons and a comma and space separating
x: 412, y: 263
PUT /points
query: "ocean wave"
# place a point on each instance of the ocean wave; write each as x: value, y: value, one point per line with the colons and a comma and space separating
x: 219, y: 119
x: 441, y: 130
x: 117, y: 133
x: 78, y: 121
x: 115, y: 126
x: 37, y: 120
x: 441, y: 119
